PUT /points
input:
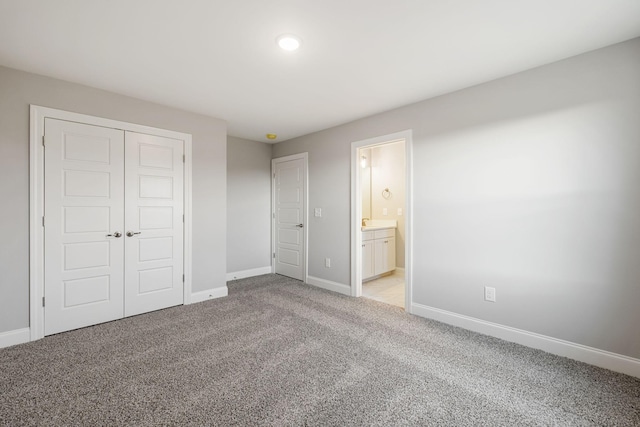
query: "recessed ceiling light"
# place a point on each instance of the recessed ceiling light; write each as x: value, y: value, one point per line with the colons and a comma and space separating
x: 271, y: 136
x: 288, y: 42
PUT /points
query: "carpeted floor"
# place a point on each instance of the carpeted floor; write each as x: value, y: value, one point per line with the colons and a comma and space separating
x: 277, y: 352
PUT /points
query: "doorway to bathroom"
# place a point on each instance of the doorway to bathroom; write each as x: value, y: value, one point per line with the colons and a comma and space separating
x: 381, y: 219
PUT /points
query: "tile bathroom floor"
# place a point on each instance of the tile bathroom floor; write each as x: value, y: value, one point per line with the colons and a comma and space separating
x: 388, y: 289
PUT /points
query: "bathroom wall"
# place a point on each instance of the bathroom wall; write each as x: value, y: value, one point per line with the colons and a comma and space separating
x: 365, y: 183
x: 388, y: 171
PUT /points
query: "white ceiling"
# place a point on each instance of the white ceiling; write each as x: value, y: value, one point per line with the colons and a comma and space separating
x: 358, y: 57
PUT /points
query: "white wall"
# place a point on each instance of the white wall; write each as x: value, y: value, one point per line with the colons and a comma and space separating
x: 529, y: 183
x: 19, y: 89
x: 248, y: 205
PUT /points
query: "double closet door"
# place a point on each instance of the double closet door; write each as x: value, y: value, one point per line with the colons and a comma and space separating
x: 113, y: 224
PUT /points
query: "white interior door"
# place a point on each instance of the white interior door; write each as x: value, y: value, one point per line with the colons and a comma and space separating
x: 153, y: 222
x: 83, y: 225
x: 289, y: 213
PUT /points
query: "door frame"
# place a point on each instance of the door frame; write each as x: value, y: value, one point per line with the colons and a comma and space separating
x: 356, y: 212
x: 305, y: 214
x: 36, y: 201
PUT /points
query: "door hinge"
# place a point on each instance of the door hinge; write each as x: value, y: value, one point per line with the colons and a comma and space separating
x: 43, y: 221
x: 183, y: 218
x: 274, y: 174
x: 274, y: 215
x: 183, y: 278
x: 43, y: 301
x: 43, y: 140
x: 274, y: 254
x: 183, y: 158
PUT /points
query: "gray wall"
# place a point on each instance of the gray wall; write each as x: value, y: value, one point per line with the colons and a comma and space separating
x: 19, y: 89
x: 529, y: 183
x: 248, y: 204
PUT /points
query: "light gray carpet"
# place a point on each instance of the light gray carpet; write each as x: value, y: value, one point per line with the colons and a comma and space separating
x: 277, y: 352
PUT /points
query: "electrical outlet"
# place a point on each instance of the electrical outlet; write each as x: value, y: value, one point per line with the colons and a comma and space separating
x: 327, y: 262
x: 489, y: 294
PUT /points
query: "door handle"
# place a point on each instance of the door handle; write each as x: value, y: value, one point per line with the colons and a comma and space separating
x: 299, y: 225
x: 131, y: 233
x: 116, y: 234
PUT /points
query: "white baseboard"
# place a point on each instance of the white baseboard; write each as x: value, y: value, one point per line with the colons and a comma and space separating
x: 593, y: 356
x: 329, y: 285
x: 209, y: 294
x: 17, y: 336
x: 248, y: 273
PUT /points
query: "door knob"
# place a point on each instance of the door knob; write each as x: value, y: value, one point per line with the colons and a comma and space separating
x: 299, y: 225
x: 131, y: 233
x: 116, y: 234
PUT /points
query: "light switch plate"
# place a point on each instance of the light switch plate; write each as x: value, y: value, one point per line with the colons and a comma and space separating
x: 399, y: 211
x: 317, y: 212
x: 384, y: 211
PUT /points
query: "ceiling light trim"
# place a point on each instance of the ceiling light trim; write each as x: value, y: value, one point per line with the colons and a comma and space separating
x: 289, y: 42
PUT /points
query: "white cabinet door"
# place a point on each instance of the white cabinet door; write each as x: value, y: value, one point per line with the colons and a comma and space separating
x: 379, y: 256
x: 153, y: 223
x: 83, y: 241
x: 367, y: 259
x: 390, y: 246
x: 384, y: 255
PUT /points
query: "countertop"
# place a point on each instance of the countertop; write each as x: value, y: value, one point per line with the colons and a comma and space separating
x: 377, y: 227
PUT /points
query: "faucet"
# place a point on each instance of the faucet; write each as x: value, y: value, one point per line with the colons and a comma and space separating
x: 364, y: 221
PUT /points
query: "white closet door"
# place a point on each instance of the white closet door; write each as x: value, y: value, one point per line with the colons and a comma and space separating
x: 153, y: 222
x: 84, y: 195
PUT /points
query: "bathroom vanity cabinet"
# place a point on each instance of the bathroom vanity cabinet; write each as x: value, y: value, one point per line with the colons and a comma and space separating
x: 378, y: 252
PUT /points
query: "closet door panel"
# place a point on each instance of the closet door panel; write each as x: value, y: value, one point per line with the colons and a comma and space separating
x: 84, y: 211
x: 153, y: 222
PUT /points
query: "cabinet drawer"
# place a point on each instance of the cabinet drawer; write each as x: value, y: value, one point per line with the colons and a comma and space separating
x: 387, y: 232
x: 368, y: 235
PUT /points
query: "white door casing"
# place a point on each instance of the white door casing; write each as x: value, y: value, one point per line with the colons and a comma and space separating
x: 38, y: 116
x: 153, y: 223
x: 84, y: 201
x: 290, y: 215
x: 356, y: 212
